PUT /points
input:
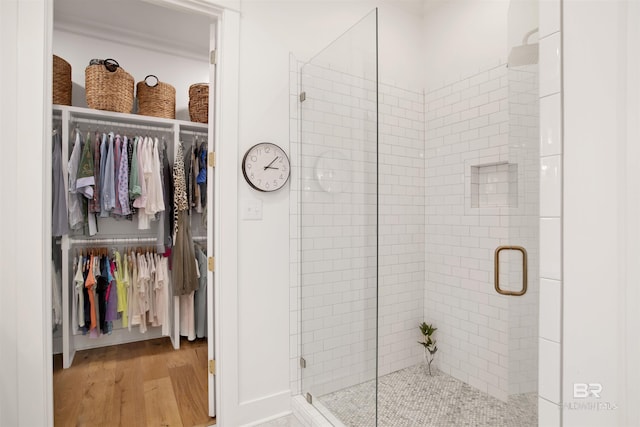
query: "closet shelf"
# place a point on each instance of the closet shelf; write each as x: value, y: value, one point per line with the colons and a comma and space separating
x: 130, y: 119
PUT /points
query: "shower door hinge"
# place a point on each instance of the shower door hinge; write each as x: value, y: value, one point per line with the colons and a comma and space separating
x: 309, y: 398
x: 213, y: 57
x: 212, y: 263
x: 212, y: 367
x: 212, y: 159
x: 303, y: 363
x: 303, y: 96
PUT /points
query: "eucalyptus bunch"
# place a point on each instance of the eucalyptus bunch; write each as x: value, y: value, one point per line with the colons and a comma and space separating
x: 429, y: 343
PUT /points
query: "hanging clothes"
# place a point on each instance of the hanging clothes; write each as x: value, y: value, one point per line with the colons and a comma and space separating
x: 180, y: 202
x: 95, y: 332
x: 187, y: 316
x: 60, y: 223
x: 187, y: 312
x: 162, y: 293
x: 122, y: 285
x: 165, y: 231
x: 101, y: 290
x: 201, y: 295
x: 123, y: 179
x: 78, y: 294
x: 56, y: 295
x: 112, y: 296
x: 94, y: 203
x: 89, y: 285
x: 132, y: 292
x: 151, y: 292
x: 117, y: 159
x: 85, y: 177
x: 194, y: 182
x: 130, y: 151
x: 155, y: 199
x: 144, y: 174
x: 108, y: 193
x: 185, y: 276
x: 76, y: 217
x: 202, y: 174
x: 86, y: 269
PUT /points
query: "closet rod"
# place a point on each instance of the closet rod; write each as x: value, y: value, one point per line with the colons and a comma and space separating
x: 115, y: 240
x: 117, y: 124
x: 194, y: 132
x: 121, y: 240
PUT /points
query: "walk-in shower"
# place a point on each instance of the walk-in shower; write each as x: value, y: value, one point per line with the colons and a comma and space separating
x: 417, y: 206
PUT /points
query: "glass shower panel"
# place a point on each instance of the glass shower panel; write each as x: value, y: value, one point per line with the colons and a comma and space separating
x: 523, y: 230
x: 339, y: 221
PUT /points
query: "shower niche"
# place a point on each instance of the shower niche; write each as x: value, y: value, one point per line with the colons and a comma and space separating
x: 494, y: 185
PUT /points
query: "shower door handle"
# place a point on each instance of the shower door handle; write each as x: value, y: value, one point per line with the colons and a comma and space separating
x: 496, y: 278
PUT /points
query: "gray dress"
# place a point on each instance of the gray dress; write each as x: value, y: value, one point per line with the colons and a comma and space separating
x: 183, y: 257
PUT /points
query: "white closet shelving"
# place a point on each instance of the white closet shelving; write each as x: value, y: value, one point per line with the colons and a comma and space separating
x: 113, y: 233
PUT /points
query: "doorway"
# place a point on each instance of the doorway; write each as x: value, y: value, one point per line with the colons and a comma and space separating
x: 180, y: 56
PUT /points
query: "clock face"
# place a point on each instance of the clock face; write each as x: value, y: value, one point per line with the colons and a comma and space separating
x: 266, y: 167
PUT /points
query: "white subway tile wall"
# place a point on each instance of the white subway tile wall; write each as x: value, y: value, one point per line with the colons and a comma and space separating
x: 550, y: 125
x: 550, y: 61
x: 551, y: 159
x: 334, y: 250
x: 482, y: 192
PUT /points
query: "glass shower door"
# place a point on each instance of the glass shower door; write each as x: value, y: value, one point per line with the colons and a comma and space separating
x: 339, y: 222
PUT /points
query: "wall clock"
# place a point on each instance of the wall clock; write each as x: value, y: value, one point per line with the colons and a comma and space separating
x: 266, y: 167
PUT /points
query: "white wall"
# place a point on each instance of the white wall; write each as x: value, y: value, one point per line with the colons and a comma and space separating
x: 25, y: 316
x: 600, y: 211
x: 462, y: 37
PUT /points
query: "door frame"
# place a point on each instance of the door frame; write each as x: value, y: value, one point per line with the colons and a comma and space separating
x: 226, y: 120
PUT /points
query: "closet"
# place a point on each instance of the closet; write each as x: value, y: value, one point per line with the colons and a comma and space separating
x: 175, y: 45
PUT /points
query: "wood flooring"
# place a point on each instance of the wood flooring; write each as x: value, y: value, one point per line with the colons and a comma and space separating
x: 146, y: 383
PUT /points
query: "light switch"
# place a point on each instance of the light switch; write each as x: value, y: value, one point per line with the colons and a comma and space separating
x: 252, y: 209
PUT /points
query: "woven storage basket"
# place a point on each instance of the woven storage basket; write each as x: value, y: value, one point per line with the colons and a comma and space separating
x: 157, y: 100
x: 199, y: 102
x: 61, y: 81
x: 109, y: 90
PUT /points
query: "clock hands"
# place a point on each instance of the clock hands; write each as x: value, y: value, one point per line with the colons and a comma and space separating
x: 269, y: 165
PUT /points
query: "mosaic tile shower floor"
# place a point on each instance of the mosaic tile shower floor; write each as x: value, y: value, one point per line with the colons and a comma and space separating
x: 412, y: 398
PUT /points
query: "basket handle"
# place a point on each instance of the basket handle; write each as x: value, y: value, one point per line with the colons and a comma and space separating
x: 153, y: 85
x: 111, y: 65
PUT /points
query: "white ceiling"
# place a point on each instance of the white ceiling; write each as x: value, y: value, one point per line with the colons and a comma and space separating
x: 168, y: 29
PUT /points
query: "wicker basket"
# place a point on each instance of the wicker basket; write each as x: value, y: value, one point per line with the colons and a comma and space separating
x: 157, y: 100
x: 108, y: 90
x: 61, y: 81
x: 199, y: 102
